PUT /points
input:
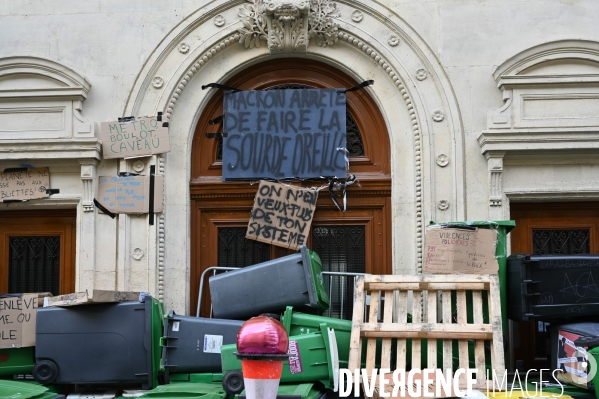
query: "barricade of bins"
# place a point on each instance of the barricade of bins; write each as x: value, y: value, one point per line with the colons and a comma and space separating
x: 135, y: 348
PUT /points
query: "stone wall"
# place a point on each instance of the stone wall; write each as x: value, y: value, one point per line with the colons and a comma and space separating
x: 451, y: 78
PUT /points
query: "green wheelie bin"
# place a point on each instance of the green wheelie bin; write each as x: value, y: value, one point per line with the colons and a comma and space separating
x: 313, y: 358
x: 15, y: 361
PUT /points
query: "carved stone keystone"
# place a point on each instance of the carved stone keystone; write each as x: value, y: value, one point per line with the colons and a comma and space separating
x: 288, y: 25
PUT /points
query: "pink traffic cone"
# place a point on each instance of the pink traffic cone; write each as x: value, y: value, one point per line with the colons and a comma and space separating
x: 262, y: 343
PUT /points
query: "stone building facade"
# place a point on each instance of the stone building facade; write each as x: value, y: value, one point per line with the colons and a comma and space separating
x: 480, y: 110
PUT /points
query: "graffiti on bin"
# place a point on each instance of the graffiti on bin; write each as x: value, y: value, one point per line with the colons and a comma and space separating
x: 568, y: 263
x: 295, y: 360
x: 583, y: 287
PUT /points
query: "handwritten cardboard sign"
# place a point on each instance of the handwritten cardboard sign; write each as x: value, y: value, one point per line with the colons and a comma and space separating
x: 26, y: 185
x: 17, y: 321
x: 273, y: 134
x: 130, y: 194
x: 138, y: 138
x: 458, y: 251
x: 282, y: 215
x: 76, y: 298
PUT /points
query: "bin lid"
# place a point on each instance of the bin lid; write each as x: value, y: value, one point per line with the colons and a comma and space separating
x: 313, y: 271
x: 21, y: 389
x: 506, y: 225
x: 187, y: 390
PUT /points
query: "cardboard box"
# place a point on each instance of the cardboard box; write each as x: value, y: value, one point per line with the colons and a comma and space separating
x: 17, y: 320
x: 130, y: 194
x: 40, y: 297
x: 24, y: 185
x: 460, y: 251
x: 141, y: 137
x: 99, y: 296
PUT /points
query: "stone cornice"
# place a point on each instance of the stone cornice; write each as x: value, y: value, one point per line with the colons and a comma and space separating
x: 77, y: 148
x: 55, y: 93
x: 539, y: 139
x: 213, y: 188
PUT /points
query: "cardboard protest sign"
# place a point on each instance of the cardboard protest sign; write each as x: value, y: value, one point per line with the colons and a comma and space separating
x: 282, y: 215
x: 130, y: 194
x: 274, y: 134
x: 141, y: 137
x: 24, y: 185
x: 460, y: 251
x: 17, y: 321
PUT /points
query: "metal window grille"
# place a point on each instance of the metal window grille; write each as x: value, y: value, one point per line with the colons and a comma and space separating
x: 234, y: 250
x: 34, y: 264
x: 342, y: 249
x: 564, y: 242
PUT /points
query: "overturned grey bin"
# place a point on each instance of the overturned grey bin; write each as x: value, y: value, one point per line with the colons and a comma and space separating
x: 192, y: 344
x: 293, y: 280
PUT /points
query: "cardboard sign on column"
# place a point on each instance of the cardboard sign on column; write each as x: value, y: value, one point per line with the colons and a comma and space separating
x: 140, y: 137
x: 130, y: 194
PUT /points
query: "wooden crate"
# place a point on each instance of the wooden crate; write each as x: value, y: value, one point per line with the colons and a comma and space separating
x: 423, y: 291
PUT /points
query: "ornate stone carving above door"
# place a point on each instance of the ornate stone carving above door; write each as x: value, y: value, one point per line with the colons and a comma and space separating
x: 288, y: 25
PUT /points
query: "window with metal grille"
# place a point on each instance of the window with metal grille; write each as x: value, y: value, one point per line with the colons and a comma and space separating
x: 34, y: 264
x: 341, y: 249
x: 355, y: 145
x: 564, y: 242
x: 234, y: 250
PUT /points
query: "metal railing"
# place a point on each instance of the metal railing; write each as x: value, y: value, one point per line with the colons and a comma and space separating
x: 328, y: 281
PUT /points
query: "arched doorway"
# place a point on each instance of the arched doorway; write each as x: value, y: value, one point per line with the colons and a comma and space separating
x: 358, y: 240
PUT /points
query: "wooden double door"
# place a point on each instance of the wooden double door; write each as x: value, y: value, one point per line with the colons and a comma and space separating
x: 37, y: 251
x: 355, y: 241
x: 549, y: 228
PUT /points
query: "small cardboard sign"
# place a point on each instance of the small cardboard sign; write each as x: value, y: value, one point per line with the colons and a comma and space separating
x: 141, y: 137
x: 24, y: 185
x: 77, y: 298
x: 460, y: 251
x: 114, y: 296
x: 130, y: 194
x: 17, y: 321
x: 282, y: 215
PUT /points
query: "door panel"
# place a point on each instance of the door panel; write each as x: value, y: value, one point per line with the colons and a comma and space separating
x: 356, y: 238
x: 37, y: 251
x: 550, y: 228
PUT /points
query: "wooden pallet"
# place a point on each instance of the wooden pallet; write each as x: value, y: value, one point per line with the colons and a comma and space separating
x: 423, y: 290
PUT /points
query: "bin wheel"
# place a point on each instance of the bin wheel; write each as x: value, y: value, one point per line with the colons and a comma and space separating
x: 45, y: 371
x: 233, y: 382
